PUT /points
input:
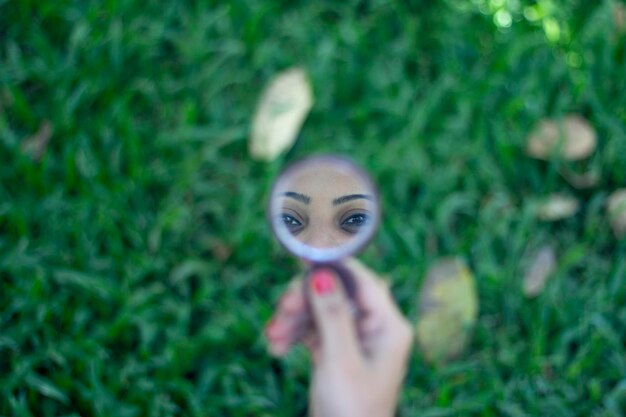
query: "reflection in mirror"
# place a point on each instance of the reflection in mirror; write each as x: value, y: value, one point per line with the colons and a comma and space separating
x: 324, y: 203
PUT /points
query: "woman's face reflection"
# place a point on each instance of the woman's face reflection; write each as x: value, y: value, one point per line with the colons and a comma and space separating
x: 324, y: 207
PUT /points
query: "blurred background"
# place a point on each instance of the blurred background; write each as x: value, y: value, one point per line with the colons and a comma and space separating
x: 137, y: 269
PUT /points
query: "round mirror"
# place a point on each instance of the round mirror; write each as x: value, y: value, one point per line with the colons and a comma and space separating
x: 324, y: 208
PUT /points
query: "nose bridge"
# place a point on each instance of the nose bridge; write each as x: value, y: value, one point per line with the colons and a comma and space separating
x: 322, y: 237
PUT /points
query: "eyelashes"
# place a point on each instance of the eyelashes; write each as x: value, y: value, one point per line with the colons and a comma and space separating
x: 351, y: 222
x: 355, y: 221
x: 292, y: 223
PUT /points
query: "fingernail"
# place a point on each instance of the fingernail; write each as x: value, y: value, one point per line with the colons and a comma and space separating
x: 323, y: 281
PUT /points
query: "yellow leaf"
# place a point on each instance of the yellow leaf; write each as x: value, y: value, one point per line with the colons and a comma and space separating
x: 557, y: 207
x: 448, y: 306
x: 280, y: 113
x: 581, y: 181
x: 616, y: 208
x: 36, y: 145
x: 542, y: 266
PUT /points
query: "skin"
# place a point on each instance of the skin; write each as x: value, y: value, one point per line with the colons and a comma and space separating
x: 358, y: 365
x: 324, y: 206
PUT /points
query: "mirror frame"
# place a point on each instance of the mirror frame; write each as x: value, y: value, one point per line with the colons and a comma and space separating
x: 322, y: 255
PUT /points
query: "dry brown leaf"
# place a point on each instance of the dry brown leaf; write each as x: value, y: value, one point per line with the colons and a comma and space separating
x: 572, y: 139
x: 542, y: 266
x: 37, y: 144
x: 448, y: 306
x: 557, y: 207
x: 280, y: 113
x: 616, y: 208
x: 220, y: 250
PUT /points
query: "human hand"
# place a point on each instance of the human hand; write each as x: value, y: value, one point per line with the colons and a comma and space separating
x: 359, y: 364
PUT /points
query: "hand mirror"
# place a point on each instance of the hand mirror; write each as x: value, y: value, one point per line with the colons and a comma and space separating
x: 324, y: 209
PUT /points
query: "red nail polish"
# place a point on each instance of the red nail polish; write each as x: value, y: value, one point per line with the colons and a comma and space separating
x: 323, y: 281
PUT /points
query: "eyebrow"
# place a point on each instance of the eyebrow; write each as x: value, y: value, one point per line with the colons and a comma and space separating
x: 350, y: 197
x: 297, y: 196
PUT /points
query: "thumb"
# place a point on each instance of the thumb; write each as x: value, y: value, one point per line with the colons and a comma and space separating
x: 333, y: 318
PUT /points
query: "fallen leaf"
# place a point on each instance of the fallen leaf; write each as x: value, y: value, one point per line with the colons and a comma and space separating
x: 557, y: 207
x: 6, y: 98
x: 542, y: 266
x: 582, y: 181
x: 572, y: 139
x: 221, y: 251
x: 448, y: 306
x: 37, y: 144
x: 616, y: 208
x: 279, y: 116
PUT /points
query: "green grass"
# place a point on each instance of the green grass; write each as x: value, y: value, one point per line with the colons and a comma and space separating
x: 136, y: 269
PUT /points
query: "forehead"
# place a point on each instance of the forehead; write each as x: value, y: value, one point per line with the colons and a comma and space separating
x: 326, y: 179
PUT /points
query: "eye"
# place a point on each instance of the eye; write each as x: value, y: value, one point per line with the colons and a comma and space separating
x: 354, y: 222
x: 291, y: 223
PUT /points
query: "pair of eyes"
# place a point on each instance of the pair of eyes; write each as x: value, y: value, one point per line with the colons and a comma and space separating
x: 352, y: 223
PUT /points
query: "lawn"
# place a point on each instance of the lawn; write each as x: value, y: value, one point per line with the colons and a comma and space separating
x: 137, y: 269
